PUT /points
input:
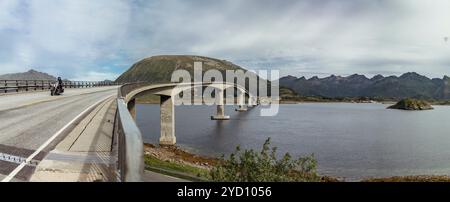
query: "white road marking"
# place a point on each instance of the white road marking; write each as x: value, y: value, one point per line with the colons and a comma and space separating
x: 42, y: 147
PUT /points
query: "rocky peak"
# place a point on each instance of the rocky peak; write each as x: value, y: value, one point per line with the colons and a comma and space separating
x: 377, y: 77
x: 413, y: 75
x: 357, y: 77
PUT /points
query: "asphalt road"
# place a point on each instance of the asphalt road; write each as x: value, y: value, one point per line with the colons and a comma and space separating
x: 29, y: 120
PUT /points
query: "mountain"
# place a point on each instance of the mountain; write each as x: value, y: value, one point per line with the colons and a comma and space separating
x: 407, y: 85
x: 30, y: 75
x: 158, y: 69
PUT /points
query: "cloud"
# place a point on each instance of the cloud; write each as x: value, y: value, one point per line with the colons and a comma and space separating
x: 8, y: 16
x: 62, y: 37
x: 305, y: 36
x: 299, y: 37
x: 94, y: 76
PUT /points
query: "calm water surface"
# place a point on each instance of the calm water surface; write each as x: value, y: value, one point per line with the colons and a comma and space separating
x: 352, y: 141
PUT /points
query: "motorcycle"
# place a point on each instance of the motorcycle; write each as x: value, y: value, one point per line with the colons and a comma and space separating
x: 55, y: 89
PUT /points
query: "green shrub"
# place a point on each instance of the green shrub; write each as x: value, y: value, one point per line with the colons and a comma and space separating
x: 264, y: 166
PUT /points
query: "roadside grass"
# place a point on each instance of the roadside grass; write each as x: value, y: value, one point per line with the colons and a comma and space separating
x: 173, y: 169
x: 419, y: 178
x: 196, y: 174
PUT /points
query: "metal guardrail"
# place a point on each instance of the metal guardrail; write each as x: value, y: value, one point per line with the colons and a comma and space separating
x: 130, y: 144
x: 8, y: 86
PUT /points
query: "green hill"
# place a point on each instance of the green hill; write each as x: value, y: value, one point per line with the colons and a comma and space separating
x: 158, y: 69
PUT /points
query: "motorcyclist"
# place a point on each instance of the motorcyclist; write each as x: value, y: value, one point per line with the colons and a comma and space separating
x: 60, y: 83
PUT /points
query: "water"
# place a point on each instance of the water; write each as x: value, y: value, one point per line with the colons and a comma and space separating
x: 351, y: 141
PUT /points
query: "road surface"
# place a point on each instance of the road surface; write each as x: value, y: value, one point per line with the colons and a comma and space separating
x: 28, y: 121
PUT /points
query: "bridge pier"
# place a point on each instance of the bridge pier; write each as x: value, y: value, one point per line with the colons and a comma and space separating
x: 167, y: 117
x: 220, y: 107
x: 241, y: 103
x: 251, y: 101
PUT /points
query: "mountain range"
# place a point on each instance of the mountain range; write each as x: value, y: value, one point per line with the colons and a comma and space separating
x: 408, y: 85
x: 29, y: 75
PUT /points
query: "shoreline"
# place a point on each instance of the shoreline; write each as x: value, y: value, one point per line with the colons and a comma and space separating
x: 287, y: 102
x: 177, y: 155
x: 151, y: 99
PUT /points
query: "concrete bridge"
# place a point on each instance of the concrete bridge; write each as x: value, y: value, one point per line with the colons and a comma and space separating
x: 168, y: 92
x: 89, y: 133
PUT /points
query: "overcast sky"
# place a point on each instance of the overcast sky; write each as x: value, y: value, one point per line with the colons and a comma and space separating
x: 99, y: 39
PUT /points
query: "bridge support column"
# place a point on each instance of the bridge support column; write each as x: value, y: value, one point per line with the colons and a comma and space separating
x: 251, y: 101
x: 167, y: 121
x: 241, y: 103
x: 256, y: 101
x: 220, y: 107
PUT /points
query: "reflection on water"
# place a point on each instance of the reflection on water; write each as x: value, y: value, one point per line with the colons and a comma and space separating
x: 349, y: 140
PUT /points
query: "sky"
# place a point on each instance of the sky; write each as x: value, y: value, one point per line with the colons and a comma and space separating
x: 100, y: 39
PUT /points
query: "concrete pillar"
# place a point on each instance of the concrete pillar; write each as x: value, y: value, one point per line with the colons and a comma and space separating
x: 251, y: 101
x: 220, y: 107
x: 132, y: 108
x: 241, y: 103
x: 256, y: 101
x: 167, y: 121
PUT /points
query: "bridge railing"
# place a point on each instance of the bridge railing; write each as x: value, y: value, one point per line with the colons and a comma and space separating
x: 130, y: 146
x: 127, y: 88
x: 9, y: 86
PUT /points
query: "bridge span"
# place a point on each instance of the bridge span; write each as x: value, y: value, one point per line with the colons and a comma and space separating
x: 168, y: 93
x: 88, y: 134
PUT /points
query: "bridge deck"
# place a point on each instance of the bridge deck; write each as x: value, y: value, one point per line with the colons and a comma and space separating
x: 30, y: 121
x: 19, y: 100
x: 86, y: 153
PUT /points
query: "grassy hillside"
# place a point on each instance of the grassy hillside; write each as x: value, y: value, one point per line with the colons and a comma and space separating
x: 158, y: 69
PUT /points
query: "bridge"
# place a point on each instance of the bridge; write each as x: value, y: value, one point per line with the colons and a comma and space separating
x: 89, y: 133
x: 8, y: 86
